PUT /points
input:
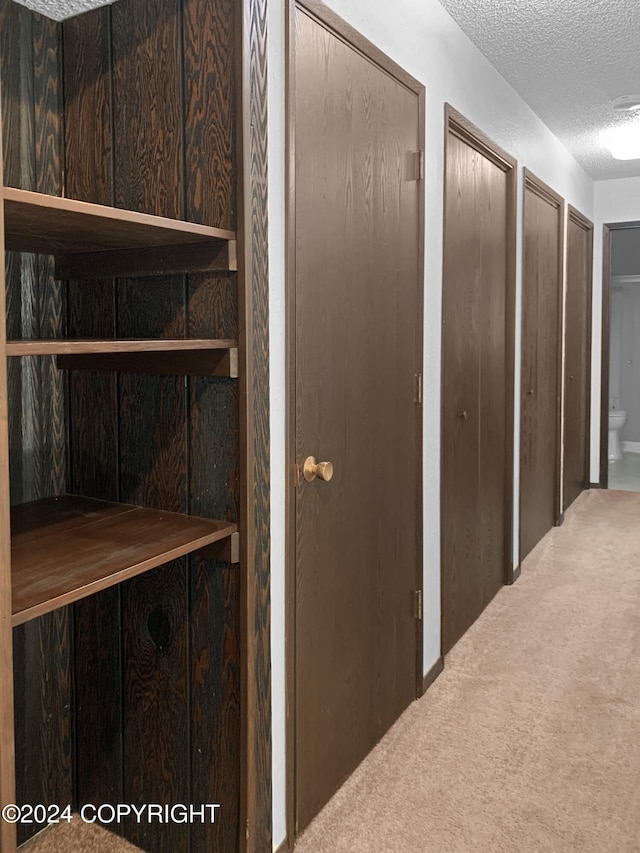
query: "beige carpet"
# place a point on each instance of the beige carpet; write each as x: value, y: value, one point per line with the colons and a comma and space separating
x: 77, y: 837
x: 530, y: 739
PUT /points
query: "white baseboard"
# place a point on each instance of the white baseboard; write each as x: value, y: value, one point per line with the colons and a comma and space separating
x: 631, y: 446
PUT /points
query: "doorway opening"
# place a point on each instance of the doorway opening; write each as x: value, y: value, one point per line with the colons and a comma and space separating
x: 620, y: 413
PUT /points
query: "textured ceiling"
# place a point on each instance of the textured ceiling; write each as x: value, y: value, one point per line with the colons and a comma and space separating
x: 61, y: 9
x: 568, y: 59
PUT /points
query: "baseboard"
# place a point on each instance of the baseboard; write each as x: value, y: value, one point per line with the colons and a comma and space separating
x: 283, y: 848
x: 596, y: 486
x: 631, y: 446
x: 431, y: 676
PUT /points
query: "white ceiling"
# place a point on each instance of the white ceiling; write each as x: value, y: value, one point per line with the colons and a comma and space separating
x: 61, y: 9
x: 568, y: 59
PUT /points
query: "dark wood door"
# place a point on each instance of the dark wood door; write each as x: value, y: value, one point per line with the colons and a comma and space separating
x: 577, y: 371
x: 540, y: 429
x: 358, y: 332
x: 477, y: 375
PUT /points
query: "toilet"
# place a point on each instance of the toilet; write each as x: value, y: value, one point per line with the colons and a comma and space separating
x: 617, y: 420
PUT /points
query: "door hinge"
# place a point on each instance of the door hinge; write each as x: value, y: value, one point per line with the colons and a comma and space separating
x: 418, y: 391
x: 417, y: 604
x: 421, y: 165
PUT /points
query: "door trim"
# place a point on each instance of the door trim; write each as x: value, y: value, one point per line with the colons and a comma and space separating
x: 458, y: 125
x: 327, y: 18
x: 579, y: 219
x: 607, y: 228
x: 546, y: 193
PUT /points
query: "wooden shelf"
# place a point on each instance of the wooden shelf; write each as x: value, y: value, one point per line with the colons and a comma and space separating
x: 71, y: 346
x: 202, y: 357
x: 92, y: 240
x: 66, y: 548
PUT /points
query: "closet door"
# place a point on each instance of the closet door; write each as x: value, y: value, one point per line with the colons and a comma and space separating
x: 577, y: 372
x: 358, y: 334
x: 540, y: 426
x: 477, y: 390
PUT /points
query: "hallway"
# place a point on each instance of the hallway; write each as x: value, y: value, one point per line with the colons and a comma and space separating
x: 530, y: 738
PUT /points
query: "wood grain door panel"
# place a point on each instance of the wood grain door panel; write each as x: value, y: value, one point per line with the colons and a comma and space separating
x: 477, y: 377
x: 357, y: 350
x: 541, y: 358
x: 577, y: 374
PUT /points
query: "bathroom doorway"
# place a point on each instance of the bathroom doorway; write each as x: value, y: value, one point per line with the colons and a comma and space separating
x: 620, y: 415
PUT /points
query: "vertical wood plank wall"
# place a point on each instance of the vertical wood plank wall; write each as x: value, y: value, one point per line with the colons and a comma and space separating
x: 254, y: 440
x: 7, y: 743
x: 137, y: 694
x: 32, y: 150
x: 163, y: 88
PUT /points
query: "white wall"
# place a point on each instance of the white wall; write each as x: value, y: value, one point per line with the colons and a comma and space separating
x: 422, y: 38
x: 277, y: 379
x: 614, y: 201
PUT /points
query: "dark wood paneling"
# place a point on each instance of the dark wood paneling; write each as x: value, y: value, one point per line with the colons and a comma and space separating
x: 577, y: 376
x: 50, y: 307
x: 477, y: 374
x: 153, y: 455
x: 163, y: 261
x: 253, y: 282
x: 93, y: 410
x: 147, y: 119
x: 27, y: 691
x: 14, y: 18
x: 43, y: 666
x: 210, y: 197
x: 87, y: 84
x: 210, y: 96
x: 31, y: 133
x: 7, y: 740
x: 156, y: 731
x: 216, y: 708
x: 541, y: 372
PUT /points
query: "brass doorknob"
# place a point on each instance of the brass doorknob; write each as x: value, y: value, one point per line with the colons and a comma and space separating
x: 312, y: 469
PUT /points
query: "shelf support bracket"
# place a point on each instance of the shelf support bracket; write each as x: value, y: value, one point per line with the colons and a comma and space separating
x: 226, y: 550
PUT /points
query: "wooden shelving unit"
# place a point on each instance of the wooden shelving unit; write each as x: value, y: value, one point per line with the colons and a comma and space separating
x: 68, y: 547
x: 134, y: 635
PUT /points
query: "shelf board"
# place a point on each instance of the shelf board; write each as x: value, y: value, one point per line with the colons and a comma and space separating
x: 177, y: 357
x: 62, y: 225
x: 66, y: 548
x: 73, y: 346
x: 96, y: 241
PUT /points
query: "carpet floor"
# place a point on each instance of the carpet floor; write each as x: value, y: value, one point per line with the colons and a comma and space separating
x: 530, y: 739
x: 77, y: 837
